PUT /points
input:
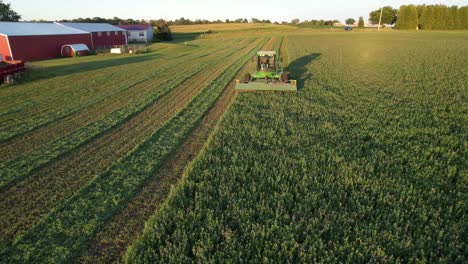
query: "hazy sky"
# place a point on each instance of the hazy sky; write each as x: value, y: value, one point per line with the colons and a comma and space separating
x: 276, y: 10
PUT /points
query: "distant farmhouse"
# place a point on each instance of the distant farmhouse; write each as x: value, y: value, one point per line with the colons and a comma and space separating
x: 37, y: 41
x: 103, y: 35
x: 139, y: 33
x: 338, y: 24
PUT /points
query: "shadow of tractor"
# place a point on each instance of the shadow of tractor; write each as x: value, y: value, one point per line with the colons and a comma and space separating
x: 299, y: 69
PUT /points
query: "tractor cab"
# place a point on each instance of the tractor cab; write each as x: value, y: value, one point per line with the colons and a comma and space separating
x: 266, y: 61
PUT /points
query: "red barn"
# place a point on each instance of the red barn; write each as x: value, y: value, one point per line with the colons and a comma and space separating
x: 37, y: 41
x: 103, y: 35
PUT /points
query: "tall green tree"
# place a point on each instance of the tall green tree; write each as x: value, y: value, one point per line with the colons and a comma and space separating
x: 163, y: 31
x: 407, y: 17
x: 389, y: 15
x: 7, y: 14
x: 401, y: 22
x: 413, y: 17
x: 440, y: 17
x: 452, y: 14
x: 361, y: 22
x: 350, y: 21
x: 463, y: 17
x: 427, y: 18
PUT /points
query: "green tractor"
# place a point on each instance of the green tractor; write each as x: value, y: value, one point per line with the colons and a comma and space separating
x: 269, y: 75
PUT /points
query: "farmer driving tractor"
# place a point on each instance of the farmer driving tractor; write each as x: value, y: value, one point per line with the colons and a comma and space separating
x: 265, y: 63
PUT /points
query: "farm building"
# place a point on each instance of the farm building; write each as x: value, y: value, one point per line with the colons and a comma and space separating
x: 37, y: 41
x: 72, y: 50
x: 103, y: 35
x: 139, y: 33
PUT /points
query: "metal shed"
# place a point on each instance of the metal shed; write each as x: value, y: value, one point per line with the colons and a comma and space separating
x: 72, y: 50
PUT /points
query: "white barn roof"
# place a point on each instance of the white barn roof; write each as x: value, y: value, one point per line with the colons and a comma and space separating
x: 93, y: 27
x: 36, y: 29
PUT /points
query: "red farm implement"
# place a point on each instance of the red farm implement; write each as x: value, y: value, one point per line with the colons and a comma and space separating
x: 9, y: 70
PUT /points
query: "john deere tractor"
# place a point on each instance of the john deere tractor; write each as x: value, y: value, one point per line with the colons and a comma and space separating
x: 269, y: 75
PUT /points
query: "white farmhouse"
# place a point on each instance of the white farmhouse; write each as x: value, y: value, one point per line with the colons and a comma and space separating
x: 139, y: 33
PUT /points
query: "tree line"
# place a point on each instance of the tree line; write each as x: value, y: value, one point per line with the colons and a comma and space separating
x: 432, y: 17
x: 426, y: 17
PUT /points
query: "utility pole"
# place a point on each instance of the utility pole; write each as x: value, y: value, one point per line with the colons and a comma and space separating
x: 380, y: 19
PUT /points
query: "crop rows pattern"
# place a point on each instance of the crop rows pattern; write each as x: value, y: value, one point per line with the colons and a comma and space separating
x: 365, y: 163
x: 64, y: 232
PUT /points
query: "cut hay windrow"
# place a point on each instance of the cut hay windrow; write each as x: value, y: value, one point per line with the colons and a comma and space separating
x: 46, y: 188
x: 111, y: 241
x: 22, y: 166
x: 102, y: 92
x: 70, y: 226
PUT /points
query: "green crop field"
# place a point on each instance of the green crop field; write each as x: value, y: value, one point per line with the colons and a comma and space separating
x: 152, y: 158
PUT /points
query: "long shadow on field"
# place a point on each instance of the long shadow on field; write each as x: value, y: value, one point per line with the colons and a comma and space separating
x: 181, y: 38
x: 299, y: 70
x: 38, y: 73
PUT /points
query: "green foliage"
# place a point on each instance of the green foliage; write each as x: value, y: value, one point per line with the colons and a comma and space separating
x: 389, y: 15
x: 260, y: 21
x: 113, y: 21
x: 441, y: 17
x: 353, y: 168
x: 427, y: 18
x: 463, y: 17
x: 361, y: 23
x: 407, y: 18
x: 163, y: 31
x: 350, y: 21
x: 316, y: 23
x: 413, y: 17
x: 295, y: 21
x: 8, y: 14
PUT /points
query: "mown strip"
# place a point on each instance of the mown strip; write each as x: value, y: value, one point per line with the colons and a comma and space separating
x: 91, y: 89
x: 111, y: 241
x: 24, y: 203
x: 65, y: 232
x: 112, y: 89
x: 68, y: 97
x: 21, y: 167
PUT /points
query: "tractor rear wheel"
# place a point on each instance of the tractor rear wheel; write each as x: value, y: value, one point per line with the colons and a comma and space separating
x: 285, y: 77
x: 247, y: 78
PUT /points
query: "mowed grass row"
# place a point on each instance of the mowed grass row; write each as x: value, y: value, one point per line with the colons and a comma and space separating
x: 28, y: 142
x: 24, y: 203
x: 111, y: 241
x: 59, y: 97
x: 365, y: 163
x: 68, y: 96
x: 23, y: 165
x: 65, y: 231
x: 158, y: 71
